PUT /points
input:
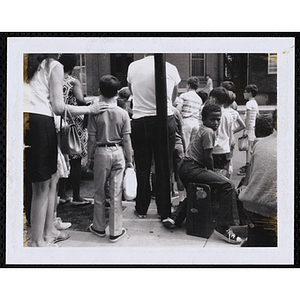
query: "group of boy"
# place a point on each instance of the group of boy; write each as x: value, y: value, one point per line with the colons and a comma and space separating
x: 110, y: 139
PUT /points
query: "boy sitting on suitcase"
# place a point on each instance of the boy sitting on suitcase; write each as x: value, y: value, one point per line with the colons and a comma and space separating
x: 198, y: 167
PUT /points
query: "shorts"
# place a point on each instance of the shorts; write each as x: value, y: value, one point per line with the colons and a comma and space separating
x: 40, y: 139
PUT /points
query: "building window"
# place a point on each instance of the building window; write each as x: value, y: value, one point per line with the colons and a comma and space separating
x: 272, y: 63
x: 198, y: 64
x: 80, y: 72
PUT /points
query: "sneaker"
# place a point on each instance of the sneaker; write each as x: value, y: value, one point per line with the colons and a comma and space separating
x: 60, y: 225
x: 242, y: 171
x: 140, y: 216
x: 114, y: 239
x: 229, y: 236
x: 96, y: 232
x: 168, y: 223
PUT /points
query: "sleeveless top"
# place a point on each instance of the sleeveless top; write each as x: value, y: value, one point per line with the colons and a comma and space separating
x: 69, y: 98
x: 39, y: 101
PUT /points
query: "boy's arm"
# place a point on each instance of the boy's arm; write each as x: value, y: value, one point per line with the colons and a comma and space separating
x: 241, y: 125
x: 208, y: 159
x: 91, y: 147
x: 247, y: 119
x: 92, y: 131
x: 127, y: 150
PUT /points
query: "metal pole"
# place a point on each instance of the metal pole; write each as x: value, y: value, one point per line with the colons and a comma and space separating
x: 162, y: 165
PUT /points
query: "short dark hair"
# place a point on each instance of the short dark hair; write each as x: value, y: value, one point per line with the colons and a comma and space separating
x: 193, y: 82
x: 228, y: 85
x: 264, y: 125
x: 203, y: 95
x: 68, y: 61
x: 109, y: 86
x: 220, y: 93
x: 124, y: 93
x: 251, y: 88
x: 231, y: 97
x: 208, y: 109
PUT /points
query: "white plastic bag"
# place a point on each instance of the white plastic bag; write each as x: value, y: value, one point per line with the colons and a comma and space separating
x: 129, y: 184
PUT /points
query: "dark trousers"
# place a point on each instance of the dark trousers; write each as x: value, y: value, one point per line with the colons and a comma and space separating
x: 190, y: 171
x: 262, y: 232
x: 146, y: 145
x: 74, y: 180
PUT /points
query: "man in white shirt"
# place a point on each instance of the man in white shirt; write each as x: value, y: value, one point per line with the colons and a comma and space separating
x: 141, y: 82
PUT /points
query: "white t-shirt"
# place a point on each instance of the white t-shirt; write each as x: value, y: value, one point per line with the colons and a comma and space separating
x: 141, y: 76
x: 252, y: 107
x: 39, y: 101
x: 224, y: 133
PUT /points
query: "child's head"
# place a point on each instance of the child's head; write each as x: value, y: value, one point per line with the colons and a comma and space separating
x: 228, y: 85
x: 250, y: 91
x: 219, y: 95
x: 207, y: 76
x: 211, y: 116
x: 124, y: 93
x: 231, y: 98
x: 264, y: 125
x: 109, y: 86
x: 203, y: 95
x: 193, y: 82
x: 68, y: 61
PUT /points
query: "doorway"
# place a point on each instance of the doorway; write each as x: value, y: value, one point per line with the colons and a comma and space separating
x: 119, y: 66
x: 235, y: 68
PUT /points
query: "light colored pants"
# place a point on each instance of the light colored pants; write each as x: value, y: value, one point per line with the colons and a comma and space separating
x: 109, y: 165
x: 190, y: 125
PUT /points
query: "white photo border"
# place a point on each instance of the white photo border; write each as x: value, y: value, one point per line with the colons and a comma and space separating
x: 281, y: 255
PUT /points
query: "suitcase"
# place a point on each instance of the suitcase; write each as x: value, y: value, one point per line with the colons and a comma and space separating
x: 199, y: 219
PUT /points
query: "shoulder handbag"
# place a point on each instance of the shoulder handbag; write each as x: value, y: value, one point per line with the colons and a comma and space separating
x: 243, y: 143
x: 129, y: 184
x: 70, y: 142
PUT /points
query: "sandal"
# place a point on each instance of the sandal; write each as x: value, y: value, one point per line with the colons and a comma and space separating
x: 61, y: 236
x: 53, y: 245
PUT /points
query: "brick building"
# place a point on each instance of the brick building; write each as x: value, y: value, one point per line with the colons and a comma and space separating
x: 242, y: 69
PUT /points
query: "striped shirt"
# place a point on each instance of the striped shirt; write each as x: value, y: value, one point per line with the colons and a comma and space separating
x: 189, y: 104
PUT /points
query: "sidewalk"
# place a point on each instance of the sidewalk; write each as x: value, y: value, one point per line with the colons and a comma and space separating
x: 147, y: 232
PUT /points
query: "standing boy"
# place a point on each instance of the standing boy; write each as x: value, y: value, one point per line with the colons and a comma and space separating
x: 108, y: 131
x: 198, y: 166
x: 251, y: 114
x: 189, y: 104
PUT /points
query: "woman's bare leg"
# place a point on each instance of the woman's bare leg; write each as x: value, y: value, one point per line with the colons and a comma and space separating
x: 50, y: 229
x: 39, y: 205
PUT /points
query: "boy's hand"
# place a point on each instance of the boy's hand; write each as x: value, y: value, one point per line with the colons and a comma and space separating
x: 129, y: 165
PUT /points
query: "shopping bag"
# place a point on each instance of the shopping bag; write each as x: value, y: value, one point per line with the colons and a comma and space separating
x: 69, y: 138
x: 129, y: 184
x: 243, y: 143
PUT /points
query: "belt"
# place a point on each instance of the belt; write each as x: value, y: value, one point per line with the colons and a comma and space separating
x: 108, y: 145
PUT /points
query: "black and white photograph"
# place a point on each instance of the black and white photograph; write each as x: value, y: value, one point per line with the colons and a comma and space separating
x: 150, y: 151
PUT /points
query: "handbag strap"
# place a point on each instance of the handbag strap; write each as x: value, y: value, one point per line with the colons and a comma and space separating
x: 68, y: 113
